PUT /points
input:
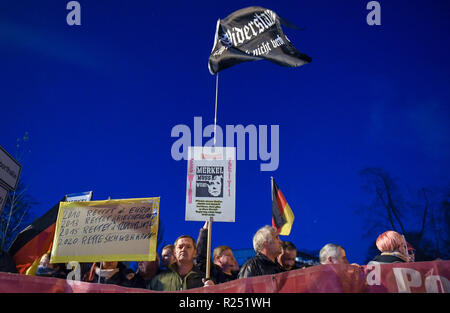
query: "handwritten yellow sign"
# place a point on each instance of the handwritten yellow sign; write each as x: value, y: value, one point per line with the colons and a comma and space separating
x: 110, y: 230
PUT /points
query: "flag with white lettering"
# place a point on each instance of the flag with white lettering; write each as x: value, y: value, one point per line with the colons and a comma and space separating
x: 251, y: 34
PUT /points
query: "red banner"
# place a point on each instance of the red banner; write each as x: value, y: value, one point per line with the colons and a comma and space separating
x: 418, y: 277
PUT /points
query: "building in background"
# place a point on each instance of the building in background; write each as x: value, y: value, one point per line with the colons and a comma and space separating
x: 306, y: 259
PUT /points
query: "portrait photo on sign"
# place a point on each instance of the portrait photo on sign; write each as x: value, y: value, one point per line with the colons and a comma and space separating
x: 209, y: 182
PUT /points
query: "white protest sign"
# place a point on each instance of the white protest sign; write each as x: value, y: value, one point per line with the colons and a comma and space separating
x: 77, y: 197
x: 9, y: 169
x: 211, y: 184
x: 110, y: 230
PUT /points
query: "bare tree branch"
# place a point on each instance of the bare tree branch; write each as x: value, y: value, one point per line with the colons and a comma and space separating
x: 425, y: 211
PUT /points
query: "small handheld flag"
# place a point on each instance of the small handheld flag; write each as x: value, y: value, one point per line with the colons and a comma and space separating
x: 282, y: 216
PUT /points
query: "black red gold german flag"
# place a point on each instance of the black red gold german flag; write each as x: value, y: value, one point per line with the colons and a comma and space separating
x: 34, y: 240
x: 282, y: 216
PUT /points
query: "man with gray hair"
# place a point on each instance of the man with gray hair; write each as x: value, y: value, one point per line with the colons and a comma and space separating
x: 267, y: 245
x: 332, y: 254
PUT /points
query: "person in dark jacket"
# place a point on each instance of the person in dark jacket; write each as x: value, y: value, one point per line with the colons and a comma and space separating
x: 393, y: 248
x: 267, y: 245
x: 223, y: 268
x: 286, y: 259
x: 147, y: 270
x: 113, y: 272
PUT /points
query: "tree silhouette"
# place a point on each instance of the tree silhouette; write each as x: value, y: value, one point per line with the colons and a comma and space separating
x: 424, y: 219
x: 16, y: 213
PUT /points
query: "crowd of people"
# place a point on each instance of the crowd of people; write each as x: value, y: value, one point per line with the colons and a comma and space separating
x: 183, y: 265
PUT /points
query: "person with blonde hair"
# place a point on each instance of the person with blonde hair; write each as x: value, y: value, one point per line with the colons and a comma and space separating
x: 393, y: 248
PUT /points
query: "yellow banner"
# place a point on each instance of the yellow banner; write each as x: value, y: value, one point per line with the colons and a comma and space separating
x: 110, y: 230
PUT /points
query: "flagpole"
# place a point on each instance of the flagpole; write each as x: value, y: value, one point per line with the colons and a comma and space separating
x: 215, y: 109
x: 271, y: 187
x: 208, y: 250
x: 271, y: 194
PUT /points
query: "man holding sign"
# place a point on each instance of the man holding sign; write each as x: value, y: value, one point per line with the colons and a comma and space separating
x: 210, y: 188
x: 182, y: 274
x: 225, y: 266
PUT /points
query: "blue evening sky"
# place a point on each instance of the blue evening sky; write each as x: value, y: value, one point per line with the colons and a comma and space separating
x: 99, y: 102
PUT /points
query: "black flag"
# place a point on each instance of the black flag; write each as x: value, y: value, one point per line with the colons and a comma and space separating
x: 251, y: 34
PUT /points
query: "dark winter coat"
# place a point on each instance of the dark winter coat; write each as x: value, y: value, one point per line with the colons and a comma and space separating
x: 121, y: 278
x: 385, y: 259
x: 216, y: 273
x: 259, y: 265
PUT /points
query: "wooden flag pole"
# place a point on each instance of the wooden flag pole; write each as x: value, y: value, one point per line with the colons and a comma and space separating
x: 208, y: 252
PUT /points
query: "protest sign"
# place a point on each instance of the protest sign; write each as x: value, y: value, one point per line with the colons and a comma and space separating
x: 79, y: 197
x: 110, y: 230
x: 211, y: 184
x: 9, y: 169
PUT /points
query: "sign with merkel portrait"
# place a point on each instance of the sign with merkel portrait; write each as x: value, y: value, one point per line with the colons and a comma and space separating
x: 211, y: 184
